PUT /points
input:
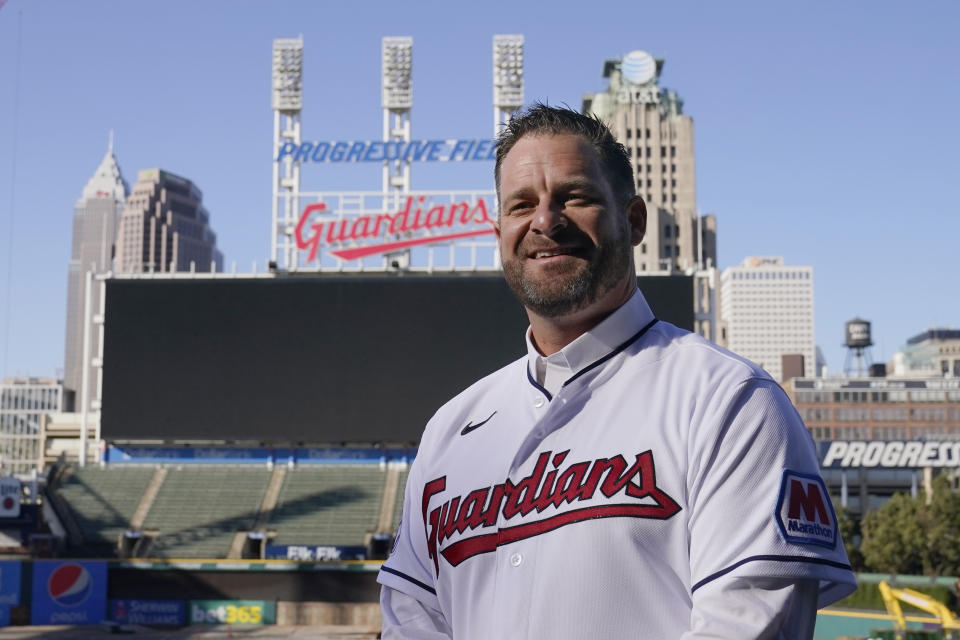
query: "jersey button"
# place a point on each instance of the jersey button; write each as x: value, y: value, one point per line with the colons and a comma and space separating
x: 538, y: 402
x: 516, y: 559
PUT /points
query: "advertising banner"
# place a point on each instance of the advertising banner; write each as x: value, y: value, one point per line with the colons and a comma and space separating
x: 4, y: 615
x: 9, y: 583
x: 204, y: 455
x: 892, y: 454
x: 68, y: 592
x: 334, y: 151
x: 232, y: 612
x: 315, y: 553
x: 9, y: 497
x: 149, y: 612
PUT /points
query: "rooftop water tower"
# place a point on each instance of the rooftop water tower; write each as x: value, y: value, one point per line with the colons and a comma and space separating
x: 857, y: 340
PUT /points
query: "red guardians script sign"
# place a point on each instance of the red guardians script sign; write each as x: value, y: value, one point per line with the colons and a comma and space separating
x: 420, y: 220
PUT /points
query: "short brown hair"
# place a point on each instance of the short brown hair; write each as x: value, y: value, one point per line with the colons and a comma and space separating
x: 541, y: 119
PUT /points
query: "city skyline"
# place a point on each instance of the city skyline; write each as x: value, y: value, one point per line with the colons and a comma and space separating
x: 819, y: 131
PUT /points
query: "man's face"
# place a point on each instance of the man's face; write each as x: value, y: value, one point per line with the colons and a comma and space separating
x: 565, y: 240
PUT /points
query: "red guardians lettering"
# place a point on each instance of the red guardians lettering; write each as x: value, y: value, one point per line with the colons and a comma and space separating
x: 550, y: 486
x: 416, y: 216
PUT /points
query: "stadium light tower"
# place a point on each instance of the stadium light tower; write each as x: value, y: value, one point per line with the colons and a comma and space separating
x: 286, y: 100
x: 507, y: 78
x: 397, y: 100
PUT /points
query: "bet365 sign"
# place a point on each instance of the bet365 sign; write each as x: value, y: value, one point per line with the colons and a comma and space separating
x: 253, y: 612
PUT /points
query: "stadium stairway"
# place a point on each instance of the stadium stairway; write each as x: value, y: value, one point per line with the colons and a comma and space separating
x: 390, y: 490
x: 270, y: 497
x: 96, y: 506
x: 397, y: 511
x: 146, y: 501
x: 328, y: 505
x: 198, y: 511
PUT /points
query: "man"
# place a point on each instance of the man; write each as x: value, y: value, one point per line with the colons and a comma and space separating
x: 626, y: 479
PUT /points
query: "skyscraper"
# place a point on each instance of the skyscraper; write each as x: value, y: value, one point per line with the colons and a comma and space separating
x: 767, y: 310
x: 649, y: 121
x: 94, y: 230
x: 165, y: 227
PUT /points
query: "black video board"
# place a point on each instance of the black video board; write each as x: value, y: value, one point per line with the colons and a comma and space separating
x: 318, y: 359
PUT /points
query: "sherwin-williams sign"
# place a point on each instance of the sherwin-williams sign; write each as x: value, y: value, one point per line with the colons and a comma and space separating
x: 232, y: 612
x: 68, y: 592
x: 153, y: 612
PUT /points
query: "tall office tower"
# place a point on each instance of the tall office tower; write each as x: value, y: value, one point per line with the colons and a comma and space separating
x: 649, y: 121
x: 165, y: 227
x: 95, y: 218
x: 767, y: 310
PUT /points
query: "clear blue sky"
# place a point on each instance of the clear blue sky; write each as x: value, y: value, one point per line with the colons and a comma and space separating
x: 826, y: 132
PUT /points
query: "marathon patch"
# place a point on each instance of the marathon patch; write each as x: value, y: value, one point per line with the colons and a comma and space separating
x: 804, y: 512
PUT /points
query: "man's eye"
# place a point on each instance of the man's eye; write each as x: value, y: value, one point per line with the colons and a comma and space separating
x: 520, y: 207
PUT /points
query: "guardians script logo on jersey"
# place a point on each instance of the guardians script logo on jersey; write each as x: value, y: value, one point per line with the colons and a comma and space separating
x: 602, y: 488
x: 804, y: 511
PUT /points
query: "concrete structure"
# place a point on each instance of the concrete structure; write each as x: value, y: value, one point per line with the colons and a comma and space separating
x: 878, y: 408
x: 649, y: 121
x: 25, y: 406
x: 878, y: 436
x: 933, y: 353
x: 767, y: 312
x: 165, y: 227
x: 95, y: 219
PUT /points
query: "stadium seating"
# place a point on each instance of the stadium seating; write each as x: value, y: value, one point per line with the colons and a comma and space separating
x: 198, y: 510
x: 102, y: 502
x: 328, y: 505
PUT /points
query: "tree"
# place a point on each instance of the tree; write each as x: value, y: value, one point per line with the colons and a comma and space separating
x: 914, y: 535
x: 893, y: 537
x: 941, y: 520
x: 850, y: 532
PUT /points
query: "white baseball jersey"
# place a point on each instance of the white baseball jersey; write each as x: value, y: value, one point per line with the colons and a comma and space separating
x: 664, y: 468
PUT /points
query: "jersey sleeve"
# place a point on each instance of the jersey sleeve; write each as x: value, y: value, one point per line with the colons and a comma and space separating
x: 408, y: 569
x: 759, y: 507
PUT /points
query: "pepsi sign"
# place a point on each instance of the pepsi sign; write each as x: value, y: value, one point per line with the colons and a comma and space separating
x: 69, y: 592
x: 9, y: 583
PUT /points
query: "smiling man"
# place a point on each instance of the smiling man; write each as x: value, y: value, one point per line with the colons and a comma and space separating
x: 625, y: 479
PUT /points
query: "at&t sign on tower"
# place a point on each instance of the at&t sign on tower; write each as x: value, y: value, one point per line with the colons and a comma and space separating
x: 394, y: 227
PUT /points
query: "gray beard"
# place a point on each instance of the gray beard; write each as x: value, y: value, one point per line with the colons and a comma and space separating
x: 597, y: 278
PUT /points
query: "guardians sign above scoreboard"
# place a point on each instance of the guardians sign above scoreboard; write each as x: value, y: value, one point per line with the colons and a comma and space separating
x: 354, y: 226
x: 888, y: 454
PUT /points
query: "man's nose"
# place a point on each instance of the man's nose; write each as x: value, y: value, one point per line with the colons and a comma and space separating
x: 548, y: 220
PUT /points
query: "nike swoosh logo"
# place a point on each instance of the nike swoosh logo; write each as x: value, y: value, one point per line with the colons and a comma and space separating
x: 470, y: 426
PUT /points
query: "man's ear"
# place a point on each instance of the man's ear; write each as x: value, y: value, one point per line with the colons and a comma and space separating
x: 637, y: 218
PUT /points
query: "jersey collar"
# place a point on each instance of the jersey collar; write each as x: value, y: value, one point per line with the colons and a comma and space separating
x: 552, y: 371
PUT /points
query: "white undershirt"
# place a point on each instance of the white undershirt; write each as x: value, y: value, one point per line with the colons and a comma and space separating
x: 621, y: 325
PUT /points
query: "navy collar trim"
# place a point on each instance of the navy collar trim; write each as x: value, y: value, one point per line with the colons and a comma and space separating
x: 595, y: 364
x: 536, y: 384
x: 630, y: 341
